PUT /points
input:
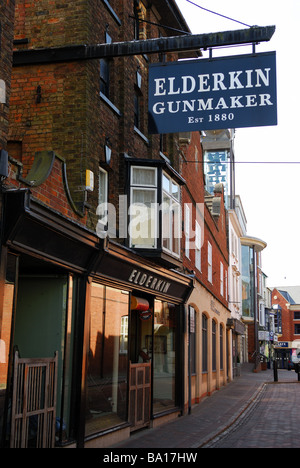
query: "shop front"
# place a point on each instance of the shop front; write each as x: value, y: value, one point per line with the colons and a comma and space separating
x: 93, y: 322
x: 134, y: 345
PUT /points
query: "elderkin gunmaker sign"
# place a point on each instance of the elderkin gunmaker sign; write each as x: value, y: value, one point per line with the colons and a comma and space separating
x: 209, y: 94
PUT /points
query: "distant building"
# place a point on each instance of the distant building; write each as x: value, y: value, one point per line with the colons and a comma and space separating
x: 286, y: 310
x: 252, y: 289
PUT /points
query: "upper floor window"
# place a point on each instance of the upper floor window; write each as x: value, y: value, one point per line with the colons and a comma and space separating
x: 143, y: 207
x: 209, y: 262
x: 221, y: 279
x: 102, y: 209
x: 171, y: 215
x: 105, y: 70
x: 187, y: 223
x: 154, y: 210
x: 197, y: 246
x: 104, y: 77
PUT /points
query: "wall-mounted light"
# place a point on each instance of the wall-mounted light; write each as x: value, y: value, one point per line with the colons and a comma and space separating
x: 107, y: 150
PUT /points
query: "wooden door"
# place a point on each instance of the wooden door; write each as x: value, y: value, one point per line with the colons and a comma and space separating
x: 139, y: 395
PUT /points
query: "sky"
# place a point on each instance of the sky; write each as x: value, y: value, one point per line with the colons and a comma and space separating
x: 267, y: 158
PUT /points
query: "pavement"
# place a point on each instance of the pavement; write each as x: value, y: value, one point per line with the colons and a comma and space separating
x: 214, y: 415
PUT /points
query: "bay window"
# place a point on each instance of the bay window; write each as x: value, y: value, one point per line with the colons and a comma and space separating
x: 171, y: 215
x: 154, y: 209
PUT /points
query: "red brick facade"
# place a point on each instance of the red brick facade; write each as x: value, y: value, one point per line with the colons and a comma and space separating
x: 213, y: 227
x: 59, y: 123
x: 288, y: 321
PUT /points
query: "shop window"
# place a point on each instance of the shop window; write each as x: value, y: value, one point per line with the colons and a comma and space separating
x: 164, y: 356
x: 204, y: 344
x: 106, y: 404
x: 8, y: 296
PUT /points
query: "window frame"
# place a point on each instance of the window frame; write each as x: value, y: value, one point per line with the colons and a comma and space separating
x: 175, y: 198
x: 198, y: 237
x: 209, y: 262
x: 174, y: 202
x: 102, y: 214
x: 204, y: 332
x: 221, y: 279
x: 135, y: 187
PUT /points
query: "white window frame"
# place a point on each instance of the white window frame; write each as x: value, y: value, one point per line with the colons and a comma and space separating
x: 187, y: 225
x: 124, y: 335
x: 198, y: 235
x: 209, y: 262
x: 145, y: 187
x: 102, y: 197
x: 221, y: 279
x: 174, y: 202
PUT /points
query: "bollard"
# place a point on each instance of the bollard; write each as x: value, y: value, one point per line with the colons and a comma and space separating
x: 297, y: 370
x: 275, y: 371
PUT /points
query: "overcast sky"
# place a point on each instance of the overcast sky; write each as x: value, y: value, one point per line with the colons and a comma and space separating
x: 270, y: 192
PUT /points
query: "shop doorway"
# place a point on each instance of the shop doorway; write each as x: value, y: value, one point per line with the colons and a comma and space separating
x: 42, y: 334
x: 283, y: 357
x: 140, y: 356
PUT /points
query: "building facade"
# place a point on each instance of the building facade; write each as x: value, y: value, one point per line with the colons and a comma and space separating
x: 252, y: 293
x: 205, y: 258
x: 102, y: 294
x: 236, y: 230
x: 286, y: 310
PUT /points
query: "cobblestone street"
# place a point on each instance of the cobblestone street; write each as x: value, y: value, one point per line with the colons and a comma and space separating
x: 273, y: 422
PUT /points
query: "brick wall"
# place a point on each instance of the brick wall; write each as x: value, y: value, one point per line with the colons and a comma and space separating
x: 287, y: 317
x: 214, y: 229
x: 6, y: 47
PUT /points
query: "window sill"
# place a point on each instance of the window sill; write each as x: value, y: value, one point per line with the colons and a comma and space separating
x: 141, y: 135
x: 159, y: 256
x: 110, y: 104
x: 112, y: 12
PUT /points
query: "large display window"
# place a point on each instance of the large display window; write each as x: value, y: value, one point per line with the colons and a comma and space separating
x: 106, y: 404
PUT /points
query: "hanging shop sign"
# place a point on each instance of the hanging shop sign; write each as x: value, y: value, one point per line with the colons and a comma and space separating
x: 210, y: 94
x: 138, y: 303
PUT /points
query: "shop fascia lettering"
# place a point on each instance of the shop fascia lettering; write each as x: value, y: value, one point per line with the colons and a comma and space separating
x: 214, y: 82
x: 149, y: 281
